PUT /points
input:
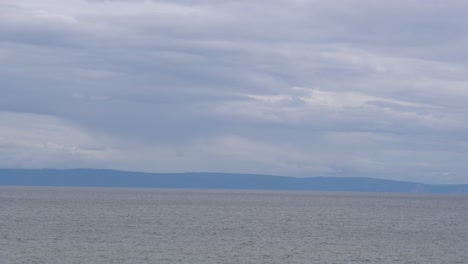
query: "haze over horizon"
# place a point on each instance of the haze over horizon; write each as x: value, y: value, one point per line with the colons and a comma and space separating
x: 343, y: 88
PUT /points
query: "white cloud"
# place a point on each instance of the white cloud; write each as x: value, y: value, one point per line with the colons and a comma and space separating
x: 31, y: 140
x: 375, y: 88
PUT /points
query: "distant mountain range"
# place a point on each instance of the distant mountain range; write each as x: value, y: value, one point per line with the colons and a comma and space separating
x: 201, y: 180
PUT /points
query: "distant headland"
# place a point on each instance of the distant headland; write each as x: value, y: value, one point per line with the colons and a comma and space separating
x: 209, y: 180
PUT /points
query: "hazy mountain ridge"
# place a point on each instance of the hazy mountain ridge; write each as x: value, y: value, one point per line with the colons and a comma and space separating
x: 200, y: 180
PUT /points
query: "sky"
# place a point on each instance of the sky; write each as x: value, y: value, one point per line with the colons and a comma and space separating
x: 345, y: 88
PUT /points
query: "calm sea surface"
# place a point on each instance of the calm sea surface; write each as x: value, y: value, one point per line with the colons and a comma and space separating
x: 85, y: 225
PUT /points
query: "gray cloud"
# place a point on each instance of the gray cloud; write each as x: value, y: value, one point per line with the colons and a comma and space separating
x: 302, y: 88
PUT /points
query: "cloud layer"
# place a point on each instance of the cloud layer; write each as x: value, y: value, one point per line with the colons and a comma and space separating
x: 301, y: 88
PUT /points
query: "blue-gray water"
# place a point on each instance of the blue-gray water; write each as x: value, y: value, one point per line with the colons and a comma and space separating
x: 85, y: 225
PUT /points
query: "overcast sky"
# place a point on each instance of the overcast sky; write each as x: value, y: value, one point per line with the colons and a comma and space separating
x: 372, y: 88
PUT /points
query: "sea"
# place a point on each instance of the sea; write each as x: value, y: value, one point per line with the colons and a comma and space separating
x: 142, y: 226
